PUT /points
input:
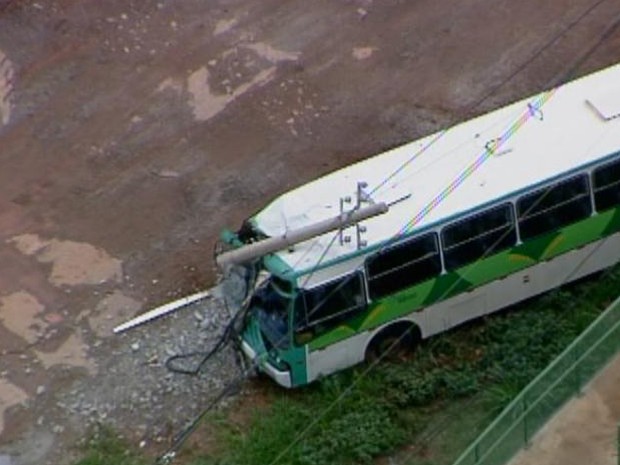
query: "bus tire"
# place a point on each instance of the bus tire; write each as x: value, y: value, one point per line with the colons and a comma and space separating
x: 394, y: 342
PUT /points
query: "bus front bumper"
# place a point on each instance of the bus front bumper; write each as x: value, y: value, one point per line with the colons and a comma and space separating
x: 283, y: 378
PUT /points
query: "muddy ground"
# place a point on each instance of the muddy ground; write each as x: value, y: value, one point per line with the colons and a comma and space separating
x: 132, y: 132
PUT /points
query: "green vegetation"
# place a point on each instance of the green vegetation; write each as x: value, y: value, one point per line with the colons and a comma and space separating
x: 425, y: 409
x: 105, y: 447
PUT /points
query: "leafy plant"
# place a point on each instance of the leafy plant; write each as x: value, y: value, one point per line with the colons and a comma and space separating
x: 357, y: 415
x: 106, y: 447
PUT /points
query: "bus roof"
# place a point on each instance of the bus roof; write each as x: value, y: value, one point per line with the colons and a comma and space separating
x: 578, y: 125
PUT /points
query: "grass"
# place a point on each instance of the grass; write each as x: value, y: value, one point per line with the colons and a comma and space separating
x: 422, y: 411
x: 106, y: 447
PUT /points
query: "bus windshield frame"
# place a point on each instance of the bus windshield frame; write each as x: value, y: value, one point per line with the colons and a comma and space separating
x: 271, y: 305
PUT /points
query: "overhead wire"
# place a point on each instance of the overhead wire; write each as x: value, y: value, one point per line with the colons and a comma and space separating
x: 543, y: 98
x: 183, y: 435
x: 493, y: 90
x: 398, y: 340
x: 614, y: 25
x: 532, y: 110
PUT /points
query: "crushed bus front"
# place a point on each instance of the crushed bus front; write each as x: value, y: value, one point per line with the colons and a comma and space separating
x: 265, y: 302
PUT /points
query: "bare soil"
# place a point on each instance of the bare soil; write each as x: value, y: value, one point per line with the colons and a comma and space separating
x: 132, y: 132
x: 585, y: 430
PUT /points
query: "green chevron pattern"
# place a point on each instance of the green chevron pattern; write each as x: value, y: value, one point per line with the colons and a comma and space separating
x: 476, y: 274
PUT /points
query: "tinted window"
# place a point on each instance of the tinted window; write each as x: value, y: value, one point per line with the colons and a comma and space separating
x: 403, y: 265
x: 332, y: 302
x: 606, y: 181
x: 478, y: 236
x: 553, y: 207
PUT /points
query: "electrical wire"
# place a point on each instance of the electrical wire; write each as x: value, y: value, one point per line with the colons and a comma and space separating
x: 230, y: 333
x: 183, y: 436
x: 473, y: 107
x: 567, y: 77
x: 227, y: 336
x: 588, y: 53
x: 538, y: 103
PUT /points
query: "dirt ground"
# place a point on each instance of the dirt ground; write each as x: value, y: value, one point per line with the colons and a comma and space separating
x: 132, y: 132
x: 597, y: 411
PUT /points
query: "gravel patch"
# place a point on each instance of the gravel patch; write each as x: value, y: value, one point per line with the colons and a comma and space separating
x: 135, y: 393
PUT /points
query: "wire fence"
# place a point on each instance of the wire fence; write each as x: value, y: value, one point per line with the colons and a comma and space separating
x: 562, y: 379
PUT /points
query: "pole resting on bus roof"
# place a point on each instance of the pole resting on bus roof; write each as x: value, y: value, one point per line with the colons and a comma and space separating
x: 273, y: 244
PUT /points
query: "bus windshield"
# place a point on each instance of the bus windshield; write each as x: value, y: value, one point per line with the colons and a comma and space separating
x: 270, y: 304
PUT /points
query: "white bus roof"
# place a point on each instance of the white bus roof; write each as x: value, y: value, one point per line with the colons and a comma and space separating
x: 579, y: 124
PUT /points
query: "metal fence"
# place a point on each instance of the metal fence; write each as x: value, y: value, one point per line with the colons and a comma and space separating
x: 561, y: 380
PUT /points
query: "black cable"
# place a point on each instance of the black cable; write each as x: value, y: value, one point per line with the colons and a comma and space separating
x: 226, y: 337
x: 229, y: 335
x: 566, y: 77
x: 538, y: 53
x: 184, y: 435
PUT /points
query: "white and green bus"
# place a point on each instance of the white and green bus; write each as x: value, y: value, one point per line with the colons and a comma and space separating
x: 480, y: 216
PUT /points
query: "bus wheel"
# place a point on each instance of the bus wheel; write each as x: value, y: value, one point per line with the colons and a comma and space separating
x: 394, y: 343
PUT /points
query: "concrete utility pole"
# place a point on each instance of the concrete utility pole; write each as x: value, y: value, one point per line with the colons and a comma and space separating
x: 273, y: 244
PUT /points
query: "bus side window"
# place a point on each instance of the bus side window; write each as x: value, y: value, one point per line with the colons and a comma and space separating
x: 332, y: 303
x: 478, y: 236
x: 403, y: 265
x: 606, y: 180
x: 552, y: 207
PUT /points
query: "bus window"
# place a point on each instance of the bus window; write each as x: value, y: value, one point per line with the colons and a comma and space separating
x: 478, y: 236
x: 607, y: 186
x: 403, y: 265
x: 555, y: 206
x: 331, y: 303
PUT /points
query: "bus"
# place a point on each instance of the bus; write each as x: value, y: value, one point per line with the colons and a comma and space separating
x: 471, y: 219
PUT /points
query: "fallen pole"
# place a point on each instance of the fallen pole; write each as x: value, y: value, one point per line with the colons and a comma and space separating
x: 266, y: 246
x: 161, y: 311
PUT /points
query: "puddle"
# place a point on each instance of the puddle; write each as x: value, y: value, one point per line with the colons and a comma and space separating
x: 170, y: 84
x: 271, y: 54
x: 72, y: 353
x: 224, y: 25
x: 112, y: 311
x: 72, y: 262
x: 363, y: 53
x: 205, y: 103
x: 10, y: 395
x: 7, y: 75
x: 21, y: 314
x: 31, y: 448
x: 28, y: 244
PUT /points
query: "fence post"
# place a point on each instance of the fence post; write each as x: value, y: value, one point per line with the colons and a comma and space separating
x: 576, y: 365
x: 618, y: 444
x: 526, y: 439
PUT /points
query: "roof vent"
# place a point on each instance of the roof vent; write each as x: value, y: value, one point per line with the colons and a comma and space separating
x: 606, y: 104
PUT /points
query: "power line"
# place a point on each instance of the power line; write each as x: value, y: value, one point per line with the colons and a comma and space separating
x: 182, y: 437
x: 460, y: 278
